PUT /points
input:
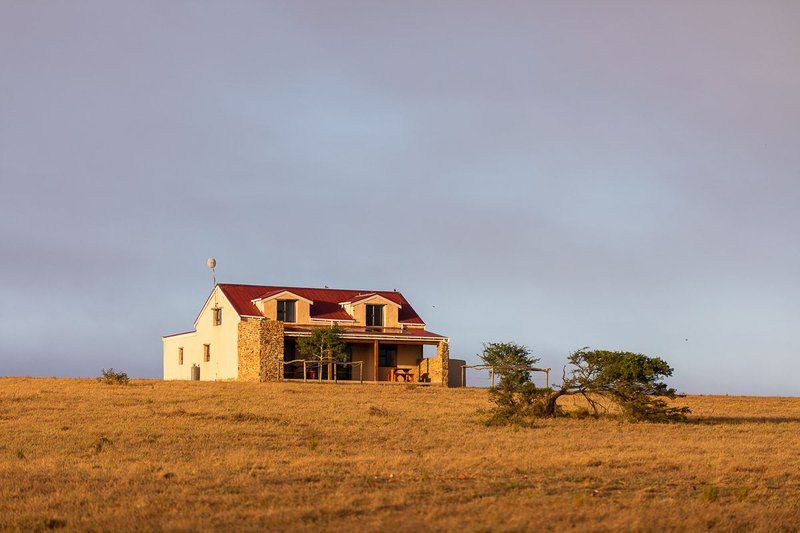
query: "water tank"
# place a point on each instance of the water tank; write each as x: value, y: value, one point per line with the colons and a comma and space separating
x: 454, y: 372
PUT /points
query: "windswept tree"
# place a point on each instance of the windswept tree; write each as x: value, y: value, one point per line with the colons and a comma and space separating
x: 324, y: 345
x: 632, y: 382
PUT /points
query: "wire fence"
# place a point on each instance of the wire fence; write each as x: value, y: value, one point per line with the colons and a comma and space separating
x: 492, y: 370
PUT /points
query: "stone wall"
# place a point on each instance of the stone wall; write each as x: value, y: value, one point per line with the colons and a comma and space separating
x: 436, y: 368
x: 260, y: 344
x: 428, y: 368
x: 249, y: 348
x: 272, y: 350
x: 443, y: 354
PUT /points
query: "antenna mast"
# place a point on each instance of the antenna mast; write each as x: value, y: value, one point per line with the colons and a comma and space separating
x: 212, y: 263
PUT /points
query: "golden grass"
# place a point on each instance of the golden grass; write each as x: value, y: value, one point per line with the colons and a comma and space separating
x: 155, y: 455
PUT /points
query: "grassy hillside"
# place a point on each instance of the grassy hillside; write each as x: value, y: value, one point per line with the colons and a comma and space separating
x: 154, y: 455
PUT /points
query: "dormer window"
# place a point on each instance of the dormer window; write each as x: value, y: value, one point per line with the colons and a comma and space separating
x: 217, y: 316
x: 286, y: 310
x: 374, y: 315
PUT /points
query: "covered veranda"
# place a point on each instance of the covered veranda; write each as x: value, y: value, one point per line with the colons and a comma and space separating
x: 385, y: 355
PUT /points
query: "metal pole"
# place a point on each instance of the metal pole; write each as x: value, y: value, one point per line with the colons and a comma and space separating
x: 305, y: 374
x: 361, y: 371
x: 547, y: 377
x: 463, y: 376
x: 334, y: 373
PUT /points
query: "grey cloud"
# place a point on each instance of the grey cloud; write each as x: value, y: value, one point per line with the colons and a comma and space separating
x: 617, y: 174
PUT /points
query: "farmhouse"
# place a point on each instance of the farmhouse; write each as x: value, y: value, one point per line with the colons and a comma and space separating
x: 250, y: 333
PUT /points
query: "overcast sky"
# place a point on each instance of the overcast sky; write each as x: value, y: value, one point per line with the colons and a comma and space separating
x: 561, y: 174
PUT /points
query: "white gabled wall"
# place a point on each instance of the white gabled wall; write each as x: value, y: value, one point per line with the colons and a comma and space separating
x: 222, y: 338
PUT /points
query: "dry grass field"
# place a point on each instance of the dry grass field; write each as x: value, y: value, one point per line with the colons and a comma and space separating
x: 78, y: 454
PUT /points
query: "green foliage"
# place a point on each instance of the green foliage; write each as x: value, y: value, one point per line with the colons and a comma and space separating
x: 510, y: 360
x: 515, y: 403
x: 622, y: 373
x: 515, y: 397
x: 111, y: 377
x: 632, y: 381
x: 324, y: 344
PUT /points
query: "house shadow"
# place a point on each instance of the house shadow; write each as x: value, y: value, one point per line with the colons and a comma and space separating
x: 737, y: 420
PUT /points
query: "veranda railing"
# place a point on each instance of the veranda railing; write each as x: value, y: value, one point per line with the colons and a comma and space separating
x: 319, y: 364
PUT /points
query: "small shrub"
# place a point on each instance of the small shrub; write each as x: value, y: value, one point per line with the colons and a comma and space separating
x: 55, y: 523
x: 515, y: 405
x: 709, y: 493
x: 20, y: 454
x: 247, y: 417
x: 111, y: 377
x: 101, y: 443
x: 377, y: 411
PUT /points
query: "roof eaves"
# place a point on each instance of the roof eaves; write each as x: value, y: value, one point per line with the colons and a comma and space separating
x: 179, y: 334
x: 272, y: 294
x: 360, y: 297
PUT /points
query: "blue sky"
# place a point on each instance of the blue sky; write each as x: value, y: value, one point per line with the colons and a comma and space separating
x: 562, y: 174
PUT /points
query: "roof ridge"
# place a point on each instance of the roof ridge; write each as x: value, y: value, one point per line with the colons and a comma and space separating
x: 289, y: 287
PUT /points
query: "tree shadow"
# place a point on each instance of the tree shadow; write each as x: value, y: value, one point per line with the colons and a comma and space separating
x: 736, y: 420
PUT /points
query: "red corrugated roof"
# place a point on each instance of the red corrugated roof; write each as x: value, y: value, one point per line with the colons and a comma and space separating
x: 326, y: 301
x: 271, y: 293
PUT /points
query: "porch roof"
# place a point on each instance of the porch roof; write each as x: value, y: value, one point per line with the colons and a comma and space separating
x: 361, y: 333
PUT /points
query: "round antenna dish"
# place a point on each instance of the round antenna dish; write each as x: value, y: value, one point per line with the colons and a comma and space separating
x: 212, y: 262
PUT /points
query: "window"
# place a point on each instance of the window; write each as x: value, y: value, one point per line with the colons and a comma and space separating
x: 180, y: 356
x: 206, y: 353
x: 286, y: 310
x: 289, y: 349
x: 217, y: 316
x: 374, y: 315
x: 387, y: 355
